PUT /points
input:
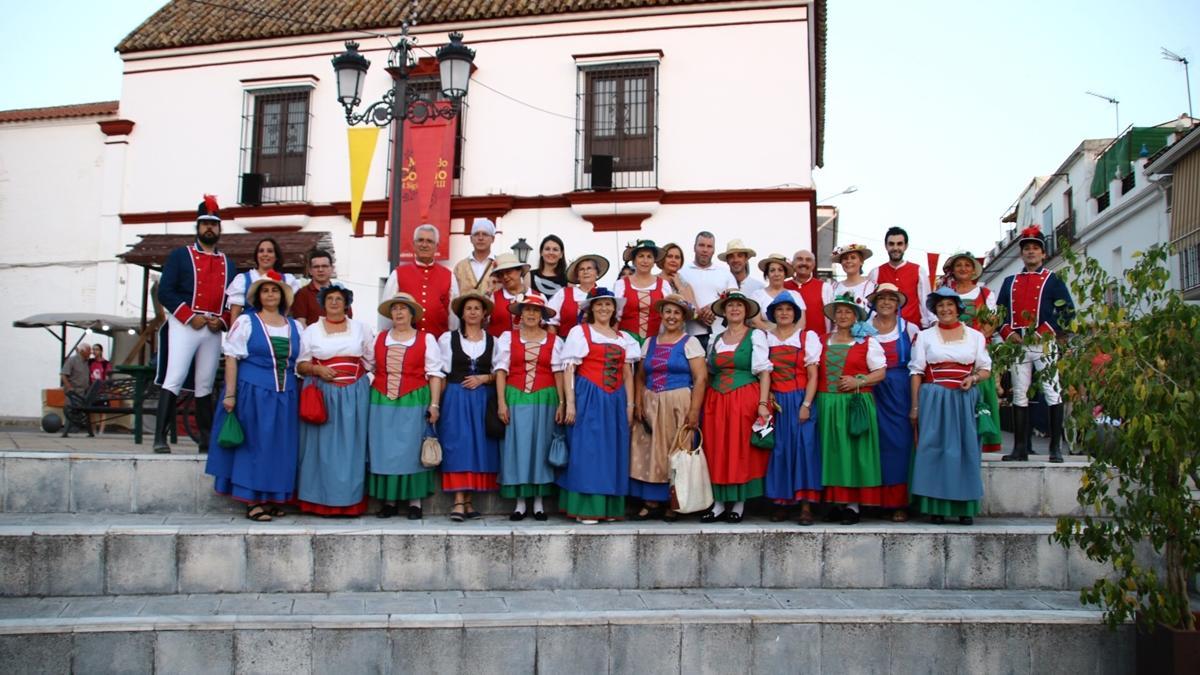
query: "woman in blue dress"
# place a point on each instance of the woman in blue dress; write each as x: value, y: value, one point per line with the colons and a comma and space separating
x: 470, y: 459
x: 262, y: 390
x: 404, y: 401
x: 599, y: 385
x: 336, y: 353
x: 893, y: 398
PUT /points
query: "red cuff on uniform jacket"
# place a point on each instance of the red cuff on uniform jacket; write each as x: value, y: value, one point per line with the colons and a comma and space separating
x: 1005, y: 331
x: 1045, y: 329
x: 183, y: 312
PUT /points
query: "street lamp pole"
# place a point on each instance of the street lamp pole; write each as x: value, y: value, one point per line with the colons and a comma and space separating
x: 399, y: 105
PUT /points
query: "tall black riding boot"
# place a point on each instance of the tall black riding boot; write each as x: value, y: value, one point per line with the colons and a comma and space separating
x: 163, y: 420
x: 1056, y: 433
x: 204, y: 415
x: 1021, y: 430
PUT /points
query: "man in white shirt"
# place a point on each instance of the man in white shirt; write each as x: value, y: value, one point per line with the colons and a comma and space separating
x: 708, y: 281
x: 475, y: 270
x: 738, y: 256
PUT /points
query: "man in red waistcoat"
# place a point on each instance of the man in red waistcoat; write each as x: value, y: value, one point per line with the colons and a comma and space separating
x: 909, y: 277
x: 812, y: 289
x: 432, y: 285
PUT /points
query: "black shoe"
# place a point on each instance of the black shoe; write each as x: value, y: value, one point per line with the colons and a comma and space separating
x: 709, y: 517
x: 164, y: 418
x: 414, y: 513
x: 1021, y: 431
x: 833, y: 515
x: 937, y: 520
x: 1056, y: 433
x: 850, y: 517
x: 387, y: 511
x: 474, y: 515
x: 670, y: 517
x: 733, y: 517
x: 516, y: 516
x: 966, y: 520
x: 540, y: 515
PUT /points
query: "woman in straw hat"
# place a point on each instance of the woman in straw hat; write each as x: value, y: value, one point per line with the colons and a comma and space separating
x: 599, y: 386
x: 850, y: 367
x: 948, y: 361
x: 893, y: 398
x: 794, y: 471
x: 510, y: 274
x: 528, y: 365
x: 261, y: 389
x: 470, y: 459
x: 641, y: 290
x: 776, y: 269
x: 851, y: 257
x: 336, y: 353
x: 979, y: 311
x: 404, y: 399
x: 739, y: 386
x: 669, y: 390
x: 582, y: 274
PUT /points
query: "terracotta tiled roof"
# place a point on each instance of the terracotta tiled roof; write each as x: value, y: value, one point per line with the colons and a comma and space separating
x: 59, y: 112
x: 182, y: 23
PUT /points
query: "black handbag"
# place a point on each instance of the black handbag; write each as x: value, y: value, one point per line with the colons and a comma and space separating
x: 492, y: 425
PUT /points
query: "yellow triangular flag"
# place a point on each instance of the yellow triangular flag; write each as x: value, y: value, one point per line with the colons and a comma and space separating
x: 362, y: 149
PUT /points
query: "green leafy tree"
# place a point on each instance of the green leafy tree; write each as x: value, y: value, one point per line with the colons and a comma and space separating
x: 1131, y: 367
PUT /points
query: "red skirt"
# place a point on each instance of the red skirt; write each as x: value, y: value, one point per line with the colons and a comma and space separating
x: 469, y: 481
x: 322, y: 510
x: 727, y: 421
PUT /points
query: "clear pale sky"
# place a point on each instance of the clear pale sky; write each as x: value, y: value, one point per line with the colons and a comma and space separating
x: 939, y: 111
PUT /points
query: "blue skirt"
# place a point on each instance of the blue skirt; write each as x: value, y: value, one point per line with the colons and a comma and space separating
x: 395, y: 431
x: 263, y: 467
x: 525, y: 452
x: 795, y: 464
x: 465, y: 443
x: 333, y: 455
x: 651, y: 492
x: 947, y: 463
x: 599, y: 441
x: 893, y: 401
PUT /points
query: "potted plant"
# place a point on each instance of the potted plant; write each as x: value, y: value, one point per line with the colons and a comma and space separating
x: 1131, y: 367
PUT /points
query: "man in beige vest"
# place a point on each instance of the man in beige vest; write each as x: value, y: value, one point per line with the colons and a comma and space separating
x: 475, y: 270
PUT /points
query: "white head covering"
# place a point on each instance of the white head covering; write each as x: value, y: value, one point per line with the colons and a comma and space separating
x: 483, y: 225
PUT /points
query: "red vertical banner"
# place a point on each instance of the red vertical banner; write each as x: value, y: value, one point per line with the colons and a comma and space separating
x: 933, y: 268
x: 427, y: 181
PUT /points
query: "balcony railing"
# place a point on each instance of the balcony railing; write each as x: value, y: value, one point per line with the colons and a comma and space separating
x: 1064, y: 235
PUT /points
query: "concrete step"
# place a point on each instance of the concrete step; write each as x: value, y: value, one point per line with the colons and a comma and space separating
x: 674, y: 630
x: 120, y: 554
x: 99, y: 482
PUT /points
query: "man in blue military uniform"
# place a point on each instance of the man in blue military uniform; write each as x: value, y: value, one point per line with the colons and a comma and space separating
x: 192, y: 291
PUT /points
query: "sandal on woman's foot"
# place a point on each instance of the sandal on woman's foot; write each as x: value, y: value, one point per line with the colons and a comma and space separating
x: 276, y: 511
x: 458, y: 512
x: 806, y: 518
x: 899, y: 516
x: 472, y: 514
x: 258, y: 513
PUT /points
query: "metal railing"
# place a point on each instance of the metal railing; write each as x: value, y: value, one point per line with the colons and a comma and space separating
x: 616, y: 127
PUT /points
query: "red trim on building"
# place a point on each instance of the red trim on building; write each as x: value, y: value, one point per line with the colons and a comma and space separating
x: 116, y: 127
x: 281, y: 78
x: 626, y: 52
x: 617, y: 222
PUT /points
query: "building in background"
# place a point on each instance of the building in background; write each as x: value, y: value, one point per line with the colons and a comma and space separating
x: 706, y: 107
x: 1177, y: 169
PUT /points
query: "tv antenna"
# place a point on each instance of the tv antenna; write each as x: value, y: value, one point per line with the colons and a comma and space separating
x: 1115, y: 104
x: 1172, y: 56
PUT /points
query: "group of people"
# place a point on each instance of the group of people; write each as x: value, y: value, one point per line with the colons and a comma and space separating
x: 537, y: 381
x: 85, y: 367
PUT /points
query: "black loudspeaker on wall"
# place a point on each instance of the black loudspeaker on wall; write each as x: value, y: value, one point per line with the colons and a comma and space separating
x: 252, y: 189
x: 602, y: 168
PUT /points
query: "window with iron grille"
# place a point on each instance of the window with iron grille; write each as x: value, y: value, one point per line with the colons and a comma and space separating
x: 1189, y: 267
x: 1127, y: 183
x: 275, y: 145
x: 1102, y: 202
x: 617, y: 117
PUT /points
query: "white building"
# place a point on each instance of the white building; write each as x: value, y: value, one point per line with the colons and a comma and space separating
x: 1106, y: 219
x: 709, y: 107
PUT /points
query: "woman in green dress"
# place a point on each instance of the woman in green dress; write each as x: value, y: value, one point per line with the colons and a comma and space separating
x: 849, y: 431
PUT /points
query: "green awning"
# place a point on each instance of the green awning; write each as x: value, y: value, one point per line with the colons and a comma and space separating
x: 1117, y: 161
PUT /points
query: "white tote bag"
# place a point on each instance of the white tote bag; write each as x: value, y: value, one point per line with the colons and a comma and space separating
x: 691, y: 487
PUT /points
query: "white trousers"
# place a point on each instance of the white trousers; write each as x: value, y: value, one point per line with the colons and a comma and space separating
x: 184, y: 344
x: 1036, y: 358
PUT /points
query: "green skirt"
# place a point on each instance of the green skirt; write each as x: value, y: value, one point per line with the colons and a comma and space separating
x: 394, y: 488
x: 580, y: 505
x: 847, y: 461
x: 949, y: 508
x: 738, y: 492
x: 527, y: 490
x: 987, y: 393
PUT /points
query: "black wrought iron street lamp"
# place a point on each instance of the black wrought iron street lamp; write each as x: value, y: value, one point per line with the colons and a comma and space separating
x: 400, y: 104
x: 521, y: 249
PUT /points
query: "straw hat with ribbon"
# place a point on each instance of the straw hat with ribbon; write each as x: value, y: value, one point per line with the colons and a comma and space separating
x: 779, y: 259
x: 689, y: 312
x: 508, y: 261
x: 840, y: 251
x: 632, y: 248
x: 888, y: 288
x: 271, y: 277
x: 456, y: 305
x: 599, y: 261
x: 948, y: 266
x: 519, y: 303
x: 846, y: 300
x: 385, y: 307
x: 736, y: 246
x: 752, y: 307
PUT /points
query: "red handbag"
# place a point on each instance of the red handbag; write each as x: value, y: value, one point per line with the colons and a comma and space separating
x: 312, y: 404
